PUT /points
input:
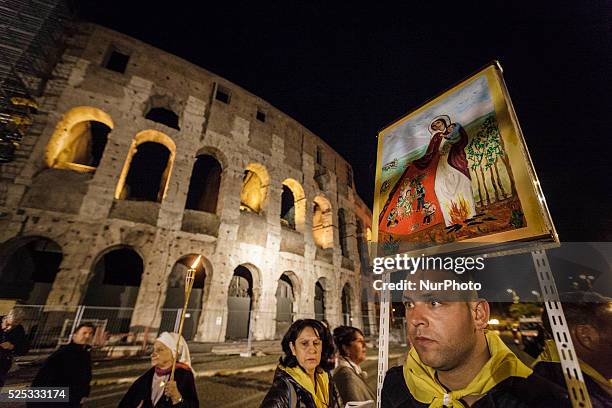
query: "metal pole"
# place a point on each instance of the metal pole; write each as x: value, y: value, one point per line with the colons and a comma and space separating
x: 569, y: 360
x: 177, y: 320
x: 383, y: 338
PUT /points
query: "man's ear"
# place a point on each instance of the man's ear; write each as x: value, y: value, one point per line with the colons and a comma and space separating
x: 480, y: 313
x: 587, y: 336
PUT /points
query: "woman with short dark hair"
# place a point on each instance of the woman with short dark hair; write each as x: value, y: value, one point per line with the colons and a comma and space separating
x: 348, y: 376
x: 301, y: 378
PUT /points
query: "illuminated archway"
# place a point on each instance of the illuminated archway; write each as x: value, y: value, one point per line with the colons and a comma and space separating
x: 79, y: 139
x: 322, y: 225
x: 150, y: 137
x: 254, y: 188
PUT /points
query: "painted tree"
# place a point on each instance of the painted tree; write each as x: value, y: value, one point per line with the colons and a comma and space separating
x: 485, y: 150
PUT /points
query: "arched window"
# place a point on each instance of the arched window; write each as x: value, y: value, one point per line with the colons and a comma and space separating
x: 254, y: 188
x: 79, y: 140
x: 293, y: 205
x: 147, y: 169
x: 163, y: 116
x: 322, y: 227
x: 285, y: 297
x: 204, y: 184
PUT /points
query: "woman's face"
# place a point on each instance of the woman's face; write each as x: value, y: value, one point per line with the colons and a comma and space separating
x: 161, y: 357
x: 438, y: 125
x: 307, y: 349
x: 356, y: 351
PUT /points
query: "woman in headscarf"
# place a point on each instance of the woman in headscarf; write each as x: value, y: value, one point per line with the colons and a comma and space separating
x: 301, y: 379
x: 12, y: 341
x: 154, y: 388
x: 348, y: 376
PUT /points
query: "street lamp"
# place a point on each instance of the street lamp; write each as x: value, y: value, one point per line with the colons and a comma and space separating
x: 537, y: 295
x: 515, y: 296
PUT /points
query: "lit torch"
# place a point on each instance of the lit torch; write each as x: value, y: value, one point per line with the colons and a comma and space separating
x: 189, y: 278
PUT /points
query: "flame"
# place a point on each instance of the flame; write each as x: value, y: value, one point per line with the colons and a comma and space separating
x: 196, y: 262
x: 459, y: 211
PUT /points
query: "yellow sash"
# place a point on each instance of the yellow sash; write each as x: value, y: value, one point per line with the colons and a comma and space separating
x: 423, y: 385
x: 321, y: 395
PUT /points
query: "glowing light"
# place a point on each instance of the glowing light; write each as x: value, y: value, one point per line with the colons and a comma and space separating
x: 196, y: 262
x: 493, y: 321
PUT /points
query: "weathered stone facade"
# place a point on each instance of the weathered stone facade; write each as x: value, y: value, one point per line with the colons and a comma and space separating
x: 85, y: 213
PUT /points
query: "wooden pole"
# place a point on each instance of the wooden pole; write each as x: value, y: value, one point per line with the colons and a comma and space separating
x: 189, y: 279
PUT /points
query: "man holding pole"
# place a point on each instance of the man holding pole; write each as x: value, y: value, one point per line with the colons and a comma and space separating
x: 455, y: 362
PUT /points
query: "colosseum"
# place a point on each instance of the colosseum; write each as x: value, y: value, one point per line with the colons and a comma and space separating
x: 138, y: 161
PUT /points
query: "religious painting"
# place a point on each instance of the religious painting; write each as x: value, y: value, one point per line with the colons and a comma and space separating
x: 457, y: 170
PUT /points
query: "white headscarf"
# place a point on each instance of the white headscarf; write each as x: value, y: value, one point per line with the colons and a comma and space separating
x: 169, y: 340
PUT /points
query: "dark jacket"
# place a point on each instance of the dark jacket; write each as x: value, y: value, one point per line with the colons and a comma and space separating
x: 15, y: 336
x: 514, y: 392
x: 69, y: 366
x: 552, y: 371
x: 280, y: 392
x: 140, y: 391
x: 350, y: 385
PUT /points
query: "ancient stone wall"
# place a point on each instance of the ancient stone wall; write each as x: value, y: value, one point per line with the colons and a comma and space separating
x: 86, y: 214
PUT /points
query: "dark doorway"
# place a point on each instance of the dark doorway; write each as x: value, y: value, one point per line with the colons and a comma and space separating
x: 346, y: 306
x: 319, y: 301
x: 288, y: 208
x: 28, y: 268
x: 239, y: 303
x: 284, y: 305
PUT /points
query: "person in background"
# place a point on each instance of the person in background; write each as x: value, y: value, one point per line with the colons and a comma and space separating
x: 12, y: 341
x: 69, y: 366
x: 301, y: 378
x: 154, y: 388
x: 589, y: 320
x: 348, y: 376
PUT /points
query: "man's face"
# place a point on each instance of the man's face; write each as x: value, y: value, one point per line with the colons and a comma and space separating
x: 443, y: 332
x: 83, y: 335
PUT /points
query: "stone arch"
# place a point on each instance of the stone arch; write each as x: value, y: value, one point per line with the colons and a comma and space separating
x: 113, y: 287
x: 153, y: 139
x: 320, y: 298
x: 322, y: 223
x: 242, y: 296
x: 28, y: 267
x: 79, y: 139
x: 204, y: 184
x: 175, y: 296
x: 254, y: 188
x: 293, y: 205
x: 287, y: 293
x: 347, y: 297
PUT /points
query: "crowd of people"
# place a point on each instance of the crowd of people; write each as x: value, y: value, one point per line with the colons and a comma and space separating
x: 452, y: 361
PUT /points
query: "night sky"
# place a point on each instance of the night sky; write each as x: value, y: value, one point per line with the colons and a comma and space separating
x: 345, y: 71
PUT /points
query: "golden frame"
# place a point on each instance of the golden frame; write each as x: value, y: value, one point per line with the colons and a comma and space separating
x: 539, y: 231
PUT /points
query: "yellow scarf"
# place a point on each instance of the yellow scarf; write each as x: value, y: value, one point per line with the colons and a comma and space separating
x: 321, y: 395
x: 423, y: 385
x: 550, y: 354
